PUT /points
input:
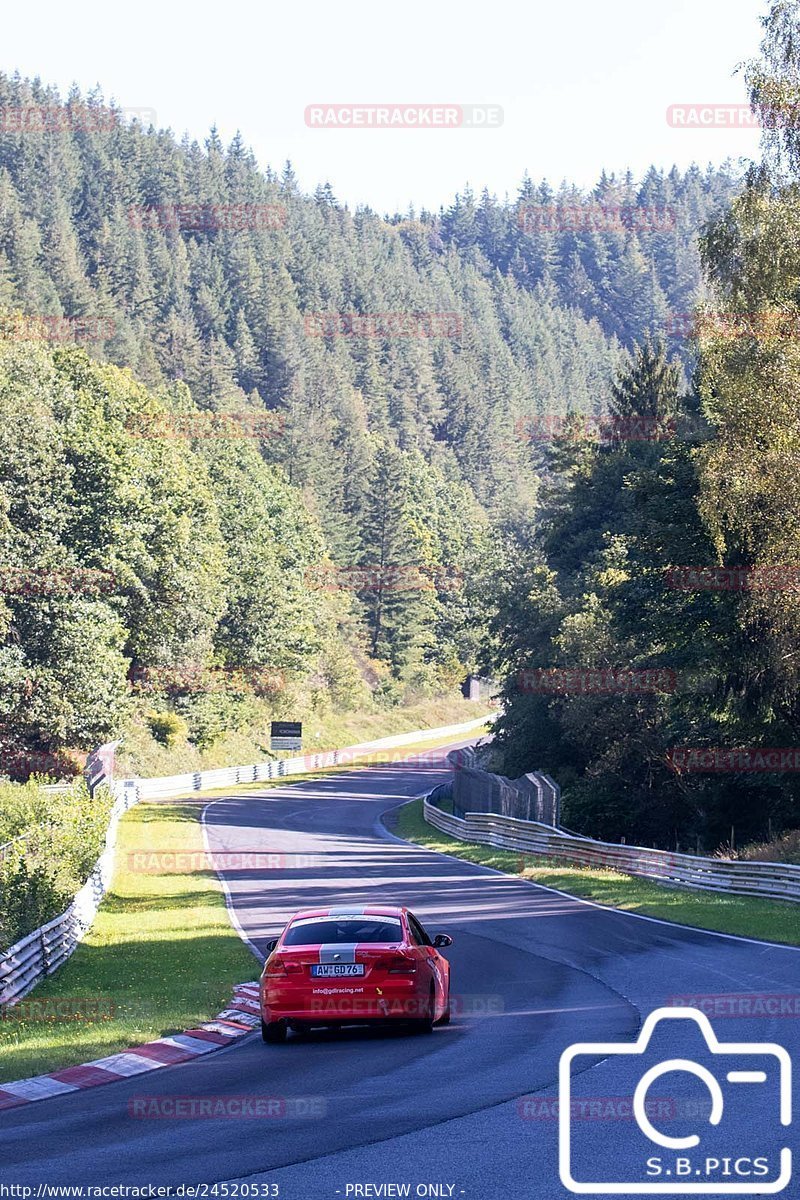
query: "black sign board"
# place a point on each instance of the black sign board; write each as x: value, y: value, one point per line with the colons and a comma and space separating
x: 286, y: 735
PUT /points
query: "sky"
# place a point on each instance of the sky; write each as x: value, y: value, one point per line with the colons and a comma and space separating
x: 582, y: 85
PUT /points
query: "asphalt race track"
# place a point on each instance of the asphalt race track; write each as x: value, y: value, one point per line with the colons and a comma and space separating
x: 534, y: 971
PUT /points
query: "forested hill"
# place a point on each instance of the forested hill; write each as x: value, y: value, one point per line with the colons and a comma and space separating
x: 626, y: 255
x: 398, y: 359
x: 101, y: 218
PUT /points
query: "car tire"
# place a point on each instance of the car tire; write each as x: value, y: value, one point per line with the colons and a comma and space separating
x: 425, y: 1024
x: 273, y: 1031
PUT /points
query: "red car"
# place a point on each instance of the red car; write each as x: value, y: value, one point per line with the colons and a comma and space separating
x: 348, y: 966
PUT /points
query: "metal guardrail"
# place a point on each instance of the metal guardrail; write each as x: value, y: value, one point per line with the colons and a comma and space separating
x: 9, y: 847
x: 442, y: 791
x: 775, y: 881
x: 200, y: 781
x: 43, y: 951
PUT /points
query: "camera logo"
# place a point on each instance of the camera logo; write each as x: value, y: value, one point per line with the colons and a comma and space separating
x: 751, y: 1080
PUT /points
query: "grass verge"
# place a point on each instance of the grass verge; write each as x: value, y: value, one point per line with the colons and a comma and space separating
x: 160, y: 957
x: 744, y: 915
x: 141, y: 755
x: 371, y: 758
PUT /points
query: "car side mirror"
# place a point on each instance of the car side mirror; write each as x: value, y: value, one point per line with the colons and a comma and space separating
x: 271, y: 944
x: 442, y: 940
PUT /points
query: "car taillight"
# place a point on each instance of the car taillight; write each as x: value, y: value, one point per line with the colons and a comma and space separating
x: 400, y: 965
x: 278, y: 966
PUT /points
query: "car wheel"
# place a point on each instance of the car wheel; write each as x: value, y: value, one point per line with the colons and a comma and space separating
x: 425, y: 1024
x: 273, y: 1031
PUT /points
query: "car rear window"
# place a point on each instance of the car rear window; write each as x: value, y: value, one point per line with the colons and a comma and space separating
x: 325, y: 930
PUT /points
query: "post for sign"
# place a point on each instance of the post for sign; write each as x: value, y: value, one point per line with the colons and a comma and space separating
x: 100, y: 766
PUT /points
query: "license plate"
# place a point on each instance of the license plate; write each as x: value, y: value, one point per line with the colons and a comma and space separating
x: 328, y: 970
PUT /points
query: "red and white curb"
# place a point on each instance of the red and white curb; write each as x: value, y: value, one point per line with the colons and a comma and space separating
x: 240, y: 1018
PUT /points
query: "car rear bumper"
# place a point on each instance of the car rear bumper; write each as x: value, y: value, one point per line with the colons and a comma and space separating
x: 336, y: 1006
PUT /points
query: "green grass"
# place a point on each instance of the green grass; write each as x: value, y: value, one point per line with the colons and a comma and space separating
x: 161, y: 956
x: 371, y: 758
x: 743, y: 915
x: 141, y: 755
